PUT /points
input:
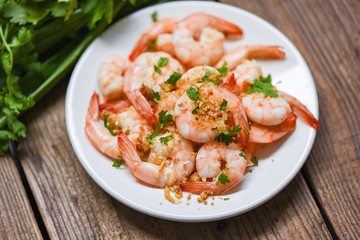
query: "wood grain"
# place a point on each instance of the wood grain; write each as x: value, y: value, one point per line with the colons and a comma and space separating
x: 17, y: 220
x: 327, y: 33
x: 73, y: 206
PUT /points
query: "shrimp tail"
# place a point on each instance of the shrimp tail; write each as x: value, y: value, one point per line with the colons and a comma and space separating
x: 93, y: 110
x: 225, y: 27
x: 249, y: 151
x: 128, y: 151
x: 197, y: 187
x: 115, y: 106
x: 230, y: 83
x: 140, y: 47
x: 266, y: 52
x: 301, y: 111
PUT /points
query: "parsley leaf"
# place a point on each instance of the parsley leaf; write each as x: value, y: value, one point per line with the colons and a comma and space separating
x: 118, y: 164
x: 195, y: 110
x: 214, y: 128
x: 263, y: 85
x: 154, y: 16
x: 155, y: 96
x: 254, y: 160
x: 106, y: 124
x: 225, y: 199
x: 162, y: 62
x: 193, y: 93
x: 173, y: 78
x: 157, y: 69
x: 223, y: 178
x: 151, y: 45
x: 223, y: 105
x: 166, y: 139
x: 163, y: 118
x: 226, y: 137
x: 242, y: 155
x: 246, y: 132
x: 207, y: 75
x: 224, y: 69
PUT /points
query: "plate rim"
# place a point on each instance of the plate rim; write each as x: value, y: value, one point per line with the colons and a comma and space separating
x: 193, y: 218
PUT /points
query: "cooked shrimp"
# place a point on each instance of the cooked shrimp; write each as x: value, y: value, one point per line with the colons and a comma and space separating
x: 269, y: 134
x: 177, y: 162
x: 98, y: 135
x: 237, y: 55
x: 164, y: 44
x: 110, y: 77
x: 142, y: 76
x: 267, y: 111
x: 208, y: 48
x: 209, y: 119
x: 194, y: 76
x: 162, y: 26
x: 208, y: 165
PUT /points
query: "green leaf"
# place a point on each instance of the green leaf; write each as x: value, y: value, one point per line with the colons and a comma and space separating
x: 162, y: 62
x: 225, y: 199
x: 214, y: 128
x: 223, y: 178
x: 166, y: 139
x: 242, y: 155
x: 6, y: 62
x: 263, y: 85
x: 173, y: 78
x: 14, y: 125
x: 155, y: 96
x: 154, y: 16
x: 224, y: 69
x: 193, y: 93
x: 151, y: 45
x: 28, y: 12
x: 118, y: 164
x: 106, y: 124
x: 226, y: 137
x: 164, y: 117
x: 223, y: 105
x: 23, y: 37
x: 207, y: 75
x: 195, y: 110
x: 157, y: 69
x: 254, y: 160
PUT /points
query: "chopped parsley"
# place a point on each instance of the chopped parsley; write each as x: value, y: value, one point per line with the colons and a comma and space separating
x: 225, y: 199
x: 207, y: 75
x: 246, y: 132
x: 106, y: 124
x: 162, y: 62
x: 193, y: 93
x: 195, y: 110
x: 224, y: 70
x: 263, y: 85
x: 223, y: 178
x: 214, y: 128
x: 249, y: 124
x: 223, y: 105
x: 166, y: 139
x: 118, y: 164
x: 254, y: 160
x: 242, y: 155
x: 163, y: 118
x: 152, y: 45
x: 154, y: 16
x: 173, y: 78
x: 155, y: 96
x: 157, y: 69
x: 226, y: 137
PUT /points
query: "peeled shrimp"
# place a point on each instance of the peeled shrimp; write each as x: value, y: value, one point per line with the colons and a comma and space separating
x: 142, y: 76
x: 177, y: 160
x: 209, y: 120
x: 110, y: 77
x: 208, y: 49
x: 156, y: 33
x: 208, y: 165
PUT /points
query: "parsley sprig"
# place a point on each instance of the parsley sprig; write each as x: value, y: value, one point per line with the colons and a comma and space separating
x: 161, y: 63
x: 263, y: 85
x: 118, y: 164
x: 106, y: 124
x: 154, y: 16
x: 207, y: 79
x: 151, y: 45
x: 223, y: 105
x: 226, y: 137
x: 173, y: 78
x: 165, y: 140
x: 163, y: 118
x: 193, y: 93
x: 155, y: 96
x: 223, y: 178
x: 224, y: 70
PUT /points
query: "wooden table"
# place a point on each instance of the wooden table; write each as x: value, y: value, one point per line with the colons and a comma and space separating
x: 48, y: 194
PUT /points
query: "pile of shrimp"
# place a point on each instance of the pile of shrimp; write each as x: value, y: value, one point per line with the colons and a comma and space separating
x: 179, y: 111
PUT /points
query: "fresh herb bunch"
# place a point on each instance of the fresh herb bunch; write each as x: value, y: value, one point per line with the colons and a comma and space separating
x: 40, y: 42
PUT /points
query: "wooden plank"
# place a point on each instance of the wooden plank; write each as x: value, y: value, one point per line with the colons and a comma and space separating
x: 17, y: 220
x: 73, y: 206
x: 327, y: 34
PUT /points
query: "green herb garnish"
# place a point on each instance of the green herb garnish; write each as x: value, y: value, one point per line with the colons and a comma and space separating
x: 225, y: 199
x: 195, y: 110
x: 207, y: 75
x: 162, y: 62
x: 163, y: 118
x: 154, y: 16
x: 226, y: 137
x: 151, y: 45
x: 223, y: 105
x: 157, y: 69
x: 166, y: 139
x: 223, y: 178
x: 155, y: 96
x: 224, y: 69
x: 246, y: 132
x: 173, y: 78
x: 263, y: 85
x: 242, y: 155
x: 214, y: 128
x: 106, y: 124
x: 193, y: 93
x: 254, y: 160
x: 118, y: 164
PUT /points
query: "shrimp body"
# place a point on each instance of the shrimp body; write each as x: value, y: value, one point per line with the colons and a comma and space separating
x: 267, y: 111
x: 177, y: 160
x: 160, y: 27
x: 208, y: 49
x: 208, y: 165
x: 141, y: 76
x: 164, y: 44
x: 110, y: 77
x: 203, y: 126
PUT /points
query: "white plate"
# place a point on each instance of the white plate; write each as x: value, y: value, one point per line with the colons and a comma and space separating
x: 279, y: 162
